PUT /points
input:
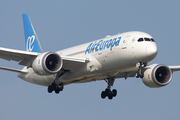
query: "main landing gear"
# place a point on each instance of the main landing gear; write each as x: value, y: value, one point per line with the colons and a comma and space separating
x: 140, y: 73
x: 108, y: 93
x: 54, y: 86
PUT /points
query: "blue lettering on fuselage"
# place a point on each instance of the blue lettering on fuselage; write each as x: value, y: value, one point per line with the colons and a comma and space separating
x: 101, y: 45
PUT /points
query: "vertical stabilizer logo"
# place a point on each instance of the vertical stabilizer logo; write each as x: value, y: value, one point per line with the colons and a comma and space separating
x: 29, y: 44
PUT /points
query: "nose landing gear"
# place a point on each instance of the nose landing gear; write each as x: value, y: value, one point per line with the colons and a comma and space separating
x: 140, y: 73
x: 108, y: 93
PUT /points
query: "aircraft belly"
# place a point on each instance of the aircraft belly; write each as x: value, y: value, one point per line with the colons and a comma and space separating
x: 32, y: 77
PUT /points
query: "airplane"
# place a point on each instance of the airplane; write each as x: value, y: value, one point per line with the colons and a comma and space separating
x: 119, y: 56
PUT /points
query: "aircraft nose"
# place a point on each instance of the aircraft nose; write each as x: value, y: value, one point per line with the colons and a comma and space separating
x: 151, y: 50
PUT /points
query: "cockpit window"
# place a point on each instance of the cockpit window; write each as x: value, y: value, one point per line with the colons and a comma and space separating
x: 147, y: 39
x: 140, y: 39
x: 152, y: 40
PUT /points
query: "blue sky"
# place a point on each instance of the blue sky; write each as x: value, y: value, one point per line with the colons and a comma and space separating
x: 60, y: 24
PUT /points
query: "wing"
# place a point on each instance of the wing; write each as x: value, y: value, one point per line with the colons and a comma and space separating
x: 132, y: 72
x: 14, y: 70
x: 174, y: 68
x: 26, y: 58
x: 23, y: 57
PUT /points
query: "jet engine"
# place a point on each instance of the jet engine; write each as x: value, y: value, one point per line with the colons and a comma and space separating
x: 157, y: 75
x: 47, y: 63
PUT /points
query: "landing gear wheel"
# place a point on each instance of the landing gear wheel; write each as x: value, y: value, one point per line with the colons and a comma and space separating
x: 50, y: 89
x: 57, y: 91
x: 55, y: 87
x: 114, y: 92
x: 108, y: 93
x: 110, y: 96
x: 103, y: 94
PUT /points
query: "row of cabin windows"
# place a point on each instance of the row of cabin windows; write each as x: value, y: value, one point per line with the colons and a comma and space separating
x: 145, y: 39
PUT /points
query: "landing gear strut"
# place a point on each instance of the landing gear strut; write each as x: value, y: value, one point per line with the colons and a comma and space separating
x: 108, y: 93
x: 140, y: 73
x: 54, y: 86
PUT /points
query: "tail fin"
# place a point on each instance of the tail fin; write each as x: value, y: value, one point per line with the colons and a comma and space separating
x: 31, y: 40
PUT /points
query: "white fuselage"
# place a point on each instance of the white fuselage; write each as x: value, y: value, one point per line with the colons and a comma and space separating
x: 107, y: 57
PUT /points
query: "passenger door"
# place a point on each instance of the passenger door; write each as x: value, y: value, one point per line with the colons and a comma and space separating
x: 125, y: 42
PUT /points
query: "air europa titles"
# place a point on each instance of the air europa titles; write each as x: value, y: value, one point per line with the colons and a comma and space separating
x: 101, y: 45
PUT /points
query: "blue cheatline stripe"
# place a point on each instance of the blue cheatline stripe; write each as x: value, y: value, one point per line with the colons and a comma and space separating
x: 31, y: 43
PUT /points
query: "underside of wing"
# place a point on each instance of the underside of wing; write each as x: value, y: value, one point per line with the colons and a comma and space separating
x: 73, y: 63
x: 125, y: 74
x: 23, y: 57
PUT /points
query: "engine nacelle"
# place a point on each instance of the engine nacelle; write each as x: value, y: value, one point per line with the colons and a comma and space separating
x: 157, y: 76
x: 47, y: 63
